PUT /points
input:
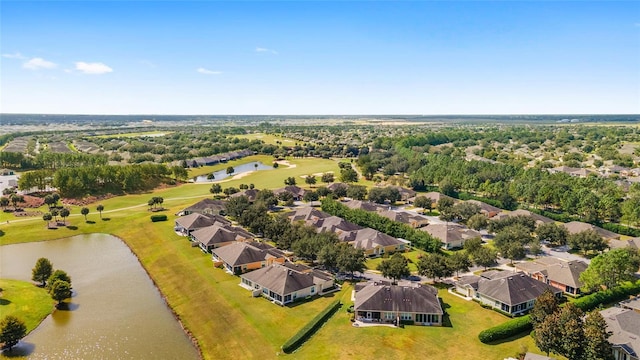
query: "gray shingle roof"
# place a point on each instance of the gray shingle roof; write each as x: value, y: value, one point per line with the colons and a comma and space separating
x: 216, y: 234
x: 575, y: 227
x: 242, y: 253
x: 368, y: 238
x: 513, y: 289
x: 364, y: 205
x: 197, y: 221
x: 207, y: 205
x: 280, y: 279
x: 624, y: 325
x: 416, y: 299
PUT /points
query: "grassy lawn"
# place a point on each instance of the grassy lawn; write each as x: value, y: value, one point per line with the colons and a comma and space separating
x: 339, y: 340
x: 412, y: 255
x: 25, y: 301
x: 265, y: 159
x: 270, y: 139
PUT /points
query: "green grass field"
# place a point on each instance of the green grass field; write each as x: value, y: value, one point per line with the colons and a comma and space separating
x: 270, y: 139
x: 225, y: 319
x: 25, y: 301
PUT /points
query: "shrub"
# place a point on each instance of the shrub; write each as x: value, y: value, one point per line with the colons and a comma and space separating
x: 156, y: 218
x: 310, y: 328
x: 506, y: 329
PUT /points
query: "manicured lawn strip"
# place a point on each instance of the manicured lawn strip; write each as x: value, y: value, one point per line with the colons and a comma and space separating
x: 338, y: 339
x: 25, y: 301
x: 412, y: 256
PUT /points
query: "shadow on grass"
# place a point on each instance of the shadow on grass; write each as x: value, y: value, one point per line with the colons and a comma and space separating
x: 23, y: 349
x: 446, y: 320
x: 52, y: 228
x: 5, y: 302
x: 72, y: 227
x: 90, y: 222
x: 106, y: 219
x: 1, y: 233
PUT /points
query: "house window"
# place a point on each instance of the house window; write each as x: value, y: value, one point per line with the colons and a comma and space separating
x: 265, y: 291
x: 389, y: 316
x: 246, y: 282
x: 313, y: 290
x: 405, y: 316
x: 287, y: 298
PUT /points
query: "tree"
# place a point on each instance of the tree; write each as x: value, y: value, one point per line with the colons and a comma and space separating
x: 58, y: 275
x: 179, y: 172
x: 327, y: 178
x: 4, y: 202
x: 459, y: 261
x: 323, y: 191
x: 586, y: 241
x: 472, y: 245
x: 395, y: 268
x: 15, y: 199
x: 510, y: 241
x: 596, y: 345
x: 357, y: 192
x: 84, y: 211
x: 290, y: 181
x: 484, y: 257
x: 55, y: 213
x: 12, y: 330
x: 47, y: 218
x: 60, y: 290
x: 547, y: 335
x: 477, y: 222
x: 553, y: 234
x: 570, y: 325
x: 286, y: 197
x: 310, y: 196
x: 230, y: 170
x: 237, y: 205
x: 64, y: 213
x: 275, y: 165
x: 310, y: 180
x: 215, y: 189
x: 42, y: 271
x: 423, y: 202
x: 348, y: 175
x: 444, y: 205
x: 433, y: 266
x: 48, y: 200
x: 350, y: 259
x: 464, y: 210
x: 100, y: 208
x: 546, y: 305
x: 610, y: 269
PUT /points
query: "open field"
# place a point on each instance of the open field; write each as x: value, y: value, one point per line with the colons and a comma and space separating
x: 412, y: 255
x: 270, y: 139
x: 25, y: 301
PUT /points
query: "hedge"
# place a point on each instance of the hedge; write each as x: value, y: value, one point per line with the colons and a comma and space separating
x: 156, y: 218
x: 310, y: 328
x: 506, y: 329
x: 585, y: 303
x: 621, y: 229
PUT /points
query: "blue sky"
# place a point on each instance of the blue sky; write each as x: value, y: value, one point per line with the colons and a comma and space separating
x: 357, y: 57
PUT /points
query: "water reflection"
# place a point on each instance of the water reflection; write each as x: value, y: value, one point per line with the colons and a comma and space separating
x: 115, y: 312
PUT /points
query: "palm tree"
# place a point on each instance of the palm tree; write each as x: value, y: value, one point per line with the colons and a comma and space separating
x: 84, y: 211
x: 47, y: 218
x: 100, y: 208
x: 64, y: 213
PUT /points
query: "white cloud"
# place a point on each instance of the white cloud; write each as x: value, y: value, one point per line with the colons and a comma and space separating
x: 38, y: 63
x: 208, y: 72
x: 16, y: 55
x: 96, y: 68
x: 262, y: 50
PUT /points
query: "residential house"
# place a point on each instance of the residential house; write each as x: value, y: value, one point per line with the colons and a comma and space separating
x: 281, y: 284
x: 241, y: 257
x: 364, y: 205
x: 324, y: 281
x: 434, y: 196
x: 383, y: 303
x: 539, y: 219
x: 305, y: 214
x: 575, y: 227
x: 630, y: 172
x: 561, y: 274
x: 251, y: 194
x: 185, y: 225
x: 405, y: 194
x: 376, y: 243
x: 633, y: 243
x: 413, y: 220
x: 624, y: 325
x: 338, y: 185
x: 296, y: 191
x: 486, y: 209
x: 631, y: 304
x: 450, y: 234
x: 206, y: 206
x: 613, y: 169
x: 215, y: 236
x: 512, y: 293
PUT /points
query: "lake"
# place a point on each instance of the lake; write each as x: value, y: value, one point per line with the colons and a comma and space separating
x: 239, y: 169
x: 116, y: 311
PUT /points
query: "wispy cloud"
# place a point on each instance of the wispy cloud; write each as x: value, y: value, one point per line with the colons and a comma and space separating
x: 96, y: 68
x: 265, y: 50
x: 208, y: 72
x: 16, y: 55
x: 39, y: 63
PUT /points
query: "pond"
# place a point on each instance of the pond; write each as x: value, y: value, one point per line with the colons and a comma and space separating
x: 116, y: 311
x: 239, y: 169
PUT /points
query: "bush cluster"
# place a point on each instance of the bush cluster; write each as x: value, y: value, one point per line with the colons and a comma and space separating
x: 156, y: 218
x: 506, y: 329
x: 311, y: 327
